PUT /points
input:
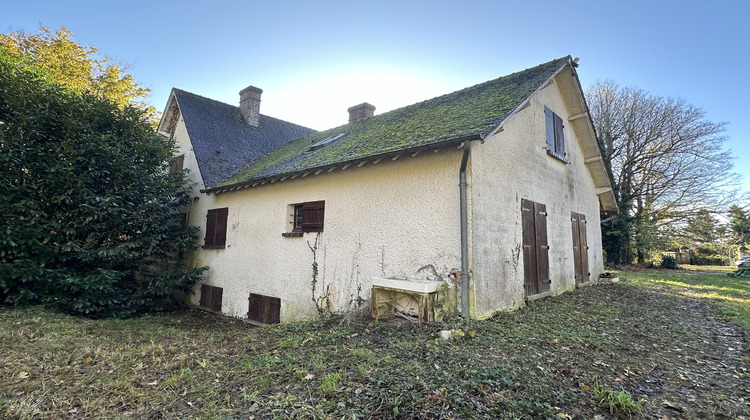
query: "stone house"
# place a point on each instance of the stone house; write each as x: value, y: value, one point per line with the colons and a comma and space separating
x: 484, y: 193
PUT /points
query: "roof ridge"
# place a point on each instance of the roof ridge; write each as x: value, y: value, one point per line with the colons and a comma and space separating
x: 455, y: 92
x: 237, y: 107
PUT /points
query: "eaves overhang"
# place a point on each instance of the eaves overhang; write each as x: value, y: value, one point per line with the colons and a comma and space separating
x: 344, y: 165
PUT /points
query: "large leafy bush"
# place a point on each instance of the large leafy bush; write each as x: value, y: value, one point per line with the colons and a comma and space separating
x: 668, y: 261
x: 90, y: 221
x: 742, y: 271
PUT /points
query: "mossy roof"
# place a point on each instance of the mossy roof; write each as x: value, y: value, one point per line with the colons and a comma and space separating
x: 224, y: 143
x: 472, y: 112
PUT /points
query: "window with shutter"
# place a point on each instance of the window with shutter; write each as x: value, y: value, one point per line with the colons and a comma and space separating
x: 177, y: 164
x: 216, y: 228
x: 264, y: 309
x: 555, y: 134
x: 535, y: 247
x: 211, y: 297
x: 308, y: 217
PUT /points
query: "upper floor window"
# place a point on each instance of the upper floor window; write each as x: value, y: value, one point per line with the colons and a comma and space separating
x: 177, y: 164
x: 555, y: 137
x: 216, y: 228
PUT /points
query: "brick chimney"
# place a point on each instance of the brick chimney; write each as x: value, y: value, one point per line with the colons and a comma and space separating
x: 360, y: 112
x: 250, y: 105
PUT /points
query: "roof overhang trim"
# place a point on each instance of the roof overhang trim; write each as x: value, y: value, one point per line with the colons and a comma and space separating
x: 166, y: 114
x: 393, y: 155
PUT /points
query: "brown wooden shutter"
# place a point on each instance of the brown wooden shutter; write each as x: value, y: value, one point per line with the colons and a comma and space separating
x: 559, y: 136
x: 584, y: 248
x: 273, y: 315
x: 530, y: 274
x: 216, y: 295
x: 177, y: 164
x: 211, y: 297
x: 220, y: 233
x: 210, y: 227
x: 265, y: 309
x: 542, y: 248
x: 576, y: 247
x: 580, y: 247
x: 549, y: 124
x: 205, y: 296
x: 255, y: 308
x: 309, y: 217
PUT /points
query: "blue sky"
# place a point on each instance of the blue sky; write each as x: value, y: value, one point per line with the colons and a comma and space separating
x: 314, y: 59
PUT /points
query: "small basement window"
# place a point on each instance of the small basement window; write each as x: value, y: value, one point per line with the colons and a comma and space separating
x: 308, y: 217
x: 264, y: 309
x: 211, y: 297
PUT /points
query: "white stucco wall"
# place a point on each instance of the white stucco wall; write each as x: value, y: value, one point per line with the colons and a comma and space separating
x: 513, y: 165
x: 396, y: 217
x: 387, y: 220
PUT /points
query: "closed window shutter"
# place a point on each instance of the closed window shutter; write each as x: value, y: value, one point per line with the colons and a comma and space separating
x: 529, y: 251
x: 309, y: 217
x: 584, y: 248
x: 211, y: 297
x: 580, y: 248
x: 255, y: 309
x: 216, y: 296
x: 576, y: 247
x: 216, y: 227
x: 265, y: 309
x: 177, y: 164
x: 549, y: 125
x: 273, y: 316
x: 559, y: 136
x: 210, y: 227
x: 220, y: 234
x: 205, y: 296
x: 542, y: 248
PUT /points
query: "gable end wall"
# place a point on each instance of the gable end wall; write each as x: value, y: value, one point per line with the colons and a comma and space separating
x: 513, y: 165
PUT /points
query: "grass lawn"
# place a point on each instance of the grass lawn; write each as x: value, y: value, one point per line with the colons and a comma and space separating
x: 660, y: 344
x: 730, y: 294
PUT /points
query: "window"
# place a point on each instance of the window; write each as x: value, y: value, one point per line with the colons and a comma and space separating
x: 308, y: 217
x: 177, y: 164
x: 216, y: 228
x: 211, y: 297
x: 555, y: 137
x: 535, y: 248
x: 265, y: 309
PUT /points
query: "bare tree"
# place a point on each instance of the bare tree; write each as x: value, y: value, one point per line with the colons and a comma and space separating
x: 666, y: 161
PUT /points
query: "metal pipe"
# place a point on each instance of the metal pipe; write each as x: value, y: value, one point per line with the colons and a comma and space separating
x: 464, y: 231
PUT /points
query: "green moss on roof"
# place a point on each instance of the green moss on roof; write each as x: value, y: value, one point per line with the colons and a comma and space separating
x: 476, y: 110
